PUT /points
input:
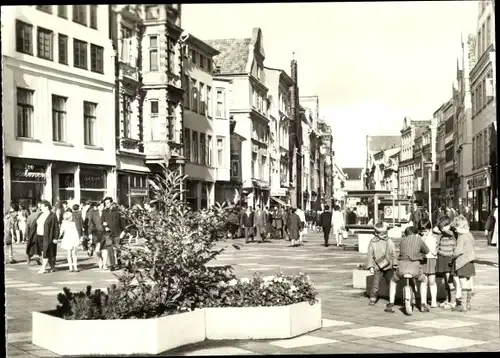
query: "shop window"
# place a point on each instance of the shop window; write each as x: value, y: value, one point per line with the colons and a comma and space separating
x: 92, y: 184
x: 27, y: 182
x: 66, y: 186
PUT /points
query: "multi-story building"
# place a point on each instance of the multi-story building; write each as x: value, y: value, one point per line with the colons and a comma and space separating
x: 375, y: 145
x: 450, y: 177
x: 58, y: 103
x: 389, y: 169
x: 279, y: 84
x: 242, y: 61
x: 482, y: 183
x: 406, y: 168
x: 327, y: 164
x: 438, y: 185
x: 310, y: 150
x: 203, y: 107
x: 295, y: 141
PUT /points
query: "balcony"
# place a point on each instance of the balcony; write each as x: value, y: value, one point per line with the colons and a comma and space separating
x: 130, y: 145
x: 128, y: 73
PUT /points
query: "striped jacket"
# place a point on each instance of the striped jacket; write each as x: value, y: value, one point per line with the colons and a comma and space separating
x: 446, y: 246
x: 412, y: 248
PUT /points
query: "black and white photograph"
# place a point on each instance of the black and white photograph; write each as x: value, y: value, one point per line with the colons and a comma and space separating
x: 209, y: 179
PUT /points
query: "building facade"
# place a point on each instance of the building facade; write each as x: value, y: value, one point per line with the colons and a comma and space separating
x: 375, y: 146
x: 482, y: 183
x: 58, y: 104
x: 242, y: 61
x: 279, y: 84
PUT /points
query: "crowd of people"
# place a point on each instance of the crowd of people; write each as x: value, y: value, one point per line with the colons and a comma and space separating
x: 446, y: 250
x: 95, y: 227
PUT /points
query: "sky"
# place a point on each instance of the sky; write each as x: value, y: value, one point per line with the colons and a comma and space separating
x: 371, y: 64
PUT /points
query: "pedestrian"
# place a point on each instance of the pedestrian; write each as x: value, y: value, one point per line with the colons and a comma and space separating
x: 269, y: 223
x: 412, y: 249
x: 70, y: 240
x: 113, y: 220
x: 96, y: 230
x: 491, y: 230
x: 302, y: 217
x: 285, y: 215
x: 278, y: 222
x: 22, y: 216
x: 416, y: 215
x: 8, y: 238
x: 247, y: 222
x: 78, y: 220
x: 47, y: 231
x: 233, y: 222
x: 259, y: 224
x: 242, y: 231
x: 325, y: 221
x: 382, y: 258
x: 431, y: 241
x: 338, y: 225
x: 464, y: 256
x: 65, y: 206
x: 13, y: 223
x: 446, y: 247
x: 295, y: 226
x: 32, y: 246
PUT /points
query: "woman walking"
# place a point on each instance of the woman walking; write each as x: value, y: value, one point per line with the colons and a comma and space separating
x: 70, y: 240
x: 464, y: 255
x: 492, y: 226
x: 337, y: 224
x: 47, y: 233
x: 430, y: 239
x: 22, y: 216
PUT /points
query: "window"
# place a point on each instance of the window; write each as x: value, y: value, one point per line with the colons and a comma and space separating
x: 45, y: 8
x: 486, y: 144
x: 219, y: 110
x: 152, y: 12
x: 63, y: 49
x: 209, y: 101
x: 209, y: 150
x: 203, y: 147
x: 209, y: 65
x: 193, y: 56
x: 127, y: 115
x: 479, y: 148
x: 171, y: 120
x: 96, y: 58
x: 89, y: 122
x: 194, y: 154
x: 153, y: 53
x: 58, y: 118
x: 44, y: 44
x: 93, y: 16
x: 202, y: 98
x: 24, y: 113
x: 80, y: 54
x: 80, y: 14
x: 194, y: 96
x: 220, y: 152
x: 479, y: 44
x: 171, y: 54
x: 483, y: 29
x: 202, y: 61
x: 187, y: 93
x: 187, y: 144
x: 483, y: 95
x: 153, y: 108
x: 24, y: 37
x: 62, y: 11
x: 473, y: 101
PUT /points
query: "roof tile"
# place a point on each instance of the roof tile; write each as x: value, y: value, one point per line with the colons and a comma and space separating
x: 233, y: 55
x: 383, y: 142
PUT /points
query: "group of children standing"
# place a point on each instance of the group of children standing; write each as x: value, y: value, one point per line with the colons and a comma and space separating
x: 446, y: 251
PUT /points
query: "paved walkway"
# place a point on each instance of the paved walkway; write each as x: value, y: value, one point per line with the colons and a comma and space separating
x: 349, y: 324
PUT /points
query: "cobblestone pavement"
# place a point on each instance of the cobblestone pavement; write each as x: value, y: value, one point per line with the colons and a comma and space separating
x: 349, y: 324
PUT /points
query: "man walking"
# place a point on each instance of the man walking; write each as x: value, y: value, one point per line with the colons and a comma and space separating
x: 325, y: 221
x: 260, y: 224
x: 32, y: 247
x: 248, y: 223
x: 302, y: 217
x: 116, y: 226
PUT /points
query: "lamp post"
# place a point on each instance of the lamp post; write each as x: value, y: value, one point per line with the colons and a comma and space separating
x: 182, y: 160
x: 429, y: 166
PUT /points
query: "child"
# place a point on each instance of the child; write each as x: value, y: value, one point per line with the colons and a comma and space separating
x: 446, y: 246
x: 412, y: 251
x: 70, y: 240
x: 463, y: 259
x: 102, y: 248
x: 424, y: 227
x: 381, y: 259
x: 8, y: 238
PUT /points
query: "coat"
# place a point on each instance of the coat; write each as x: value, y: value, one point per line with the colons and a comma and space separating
x: 247, y: 220
x: 378, y: 248
x: 95, y: 222
x: 294, y: 226
x: 464, y: 251
x: 33, y: 247
x: 277, y: 220
x: 337, y: 221
x: 50, y: 233
x: 114, y: 220
x: 325, y: 219
x: 259, y: 219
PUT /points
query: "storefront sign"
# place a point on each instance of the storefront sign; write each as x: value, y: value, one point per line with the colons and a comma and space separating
x: 478, y: 182
x: 138, y: 192
x: 92, y: 179
x: 28, y: 172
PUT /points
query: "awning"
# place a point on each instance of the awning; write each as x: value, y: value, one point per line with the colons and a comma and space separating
x: 281, y: 202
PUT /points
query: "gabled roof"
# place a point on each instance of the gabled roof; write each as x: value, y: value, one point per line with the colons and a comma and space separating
x: 378, y: 143
x: 352, y: 173
x: 233, y: 54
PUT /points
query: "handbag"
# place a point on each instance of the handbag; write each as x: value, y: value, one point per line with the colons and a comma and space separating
x: 383, y: 262
x: 345, y: 234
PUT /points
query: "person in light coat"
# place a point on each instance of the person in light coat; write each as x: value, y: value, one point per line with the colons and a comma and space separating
x: 302, y: 217
x: 338, y: 224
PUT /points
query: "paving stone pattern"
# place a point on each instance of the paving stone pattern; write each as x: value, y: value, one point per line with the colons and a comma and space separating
x: 349, y: 324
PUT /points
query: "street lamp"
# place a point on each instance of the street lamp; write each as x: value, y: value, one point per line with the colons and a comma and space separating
x: 182, y: 160
x: 429, y: 166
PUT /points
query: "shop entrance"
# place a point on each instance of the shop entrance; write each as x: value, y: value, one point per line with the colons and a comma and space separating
x: 26, y: 194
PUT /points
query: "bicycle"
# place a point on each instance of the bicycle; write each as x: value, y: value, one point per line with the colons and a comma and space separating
x: 408, y: 295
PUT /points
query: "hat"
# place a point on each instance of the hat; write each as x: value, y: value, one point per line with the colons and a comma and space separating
x: 380, y: 227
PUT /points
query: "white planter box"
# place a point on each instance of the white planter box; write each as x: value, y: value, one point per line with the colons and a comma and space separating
x: 359, y: 278
x: 117, y: 337
x: 262, y: 322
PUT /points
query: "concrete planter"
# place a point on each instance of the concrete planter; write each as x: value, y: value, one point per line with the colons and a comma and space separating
x: 262, y: 322
x: 359, y: 278
x: 117, y: 337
